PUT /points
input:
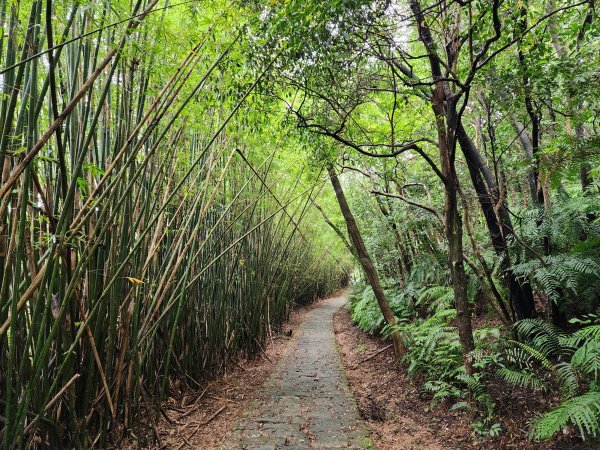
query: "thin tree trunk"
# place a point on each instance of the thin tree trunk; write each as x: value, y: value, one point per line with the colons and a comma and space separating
x: 337, y: 231
x: 365, y: 261
x: 389, y: 218
x: 528, y: 149
x: 498, y: 223
x: 444, y: 108
x: 453, y: 228
x: 541, y: 197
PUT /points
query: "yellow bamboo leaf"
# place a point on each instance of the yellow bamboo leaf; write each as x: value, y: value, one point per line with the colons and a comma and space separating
x: 135, y: 280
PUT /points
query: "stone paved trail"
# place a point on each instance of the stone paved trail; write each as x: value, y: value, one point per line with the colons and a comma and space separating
x: 306, y: 402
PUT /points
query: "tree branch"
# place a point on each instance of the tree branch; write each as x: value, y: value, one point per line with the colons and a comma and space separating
x: 410, y: 202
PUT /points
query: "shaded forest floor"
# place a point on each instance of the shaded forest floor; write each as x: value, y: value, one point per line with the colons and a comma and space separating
x: 387, y: 400
x: 400, y: 415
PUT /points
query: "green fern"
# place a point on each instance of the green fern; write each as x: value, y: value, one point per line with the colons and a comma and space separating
x: 563, y: 223
x: 437, y: 297
x: 519, y: 357
x: 570, y: 277
x: 543, y: 336
x: 473, y: 383
x: 536, y: 354
x: 591, y: 332
x: 522, y: 379
x: 587, y: 358
x: 575, y: 273
x: 580, y: 367
x: 433, y: 347
x: 365, y: 312
x: 568, y: 379
x: 582, y: 411
x: 441, y: 390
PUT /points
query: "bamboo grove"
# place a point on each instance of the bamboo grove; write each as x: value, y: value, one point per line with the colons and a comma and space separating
x: 140, y: 243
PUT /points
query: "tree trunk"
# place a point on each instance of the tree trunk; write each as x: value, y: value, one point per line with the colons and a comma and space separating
x: 498, y: 223
x: 534, y: 113
x: 444, y: 108
x: 585, y: 170
x: 453, y: 228
x: 527, y: 146
x: 365, y: 261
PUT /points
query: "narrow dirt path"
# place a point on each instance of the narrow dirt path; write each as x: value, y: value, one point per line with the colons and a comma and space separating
x: 306, y: 402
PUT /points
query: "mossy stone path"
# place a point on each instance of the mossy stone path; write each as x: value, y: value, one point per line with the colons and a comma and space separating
x: 306, y: 402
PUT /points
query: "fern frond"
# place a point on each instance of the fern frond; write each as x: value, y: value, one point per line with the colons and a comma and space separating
x: 433, y: 292
x: 591, y: 332
x: 516, y: 355
x: 544, y: 361
x: 582, y: 412
x: 544, y: 336
x: 438, y: 297
x: 476, y: 355
x: 476, y: 387
x: 567, y: 271
x: 587, y: 358
x: 567, y: 379
x: 521, y: 378
x: 572, y: 342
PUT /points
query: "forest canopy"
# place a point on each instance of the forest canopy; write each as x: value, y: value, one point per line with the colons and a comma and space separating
x: 177, y: 175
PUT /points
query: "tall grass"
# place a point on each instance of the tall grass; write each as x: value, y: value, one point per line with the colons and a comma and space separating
x: 137, y: 245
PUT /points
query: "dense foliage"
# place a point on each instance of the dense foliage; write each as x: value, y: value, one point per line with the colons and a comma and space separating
x: 164, y: 199
x: 502, y: 224
x: 148, y: 234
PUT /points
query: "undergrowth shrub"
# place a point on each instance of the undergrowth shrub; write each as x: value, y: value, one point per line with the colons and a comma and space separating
x: 433, y: 356
x: 365, y: 311
x: 569, y: 231
x: 548, y: 358
x: 558, y: 252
